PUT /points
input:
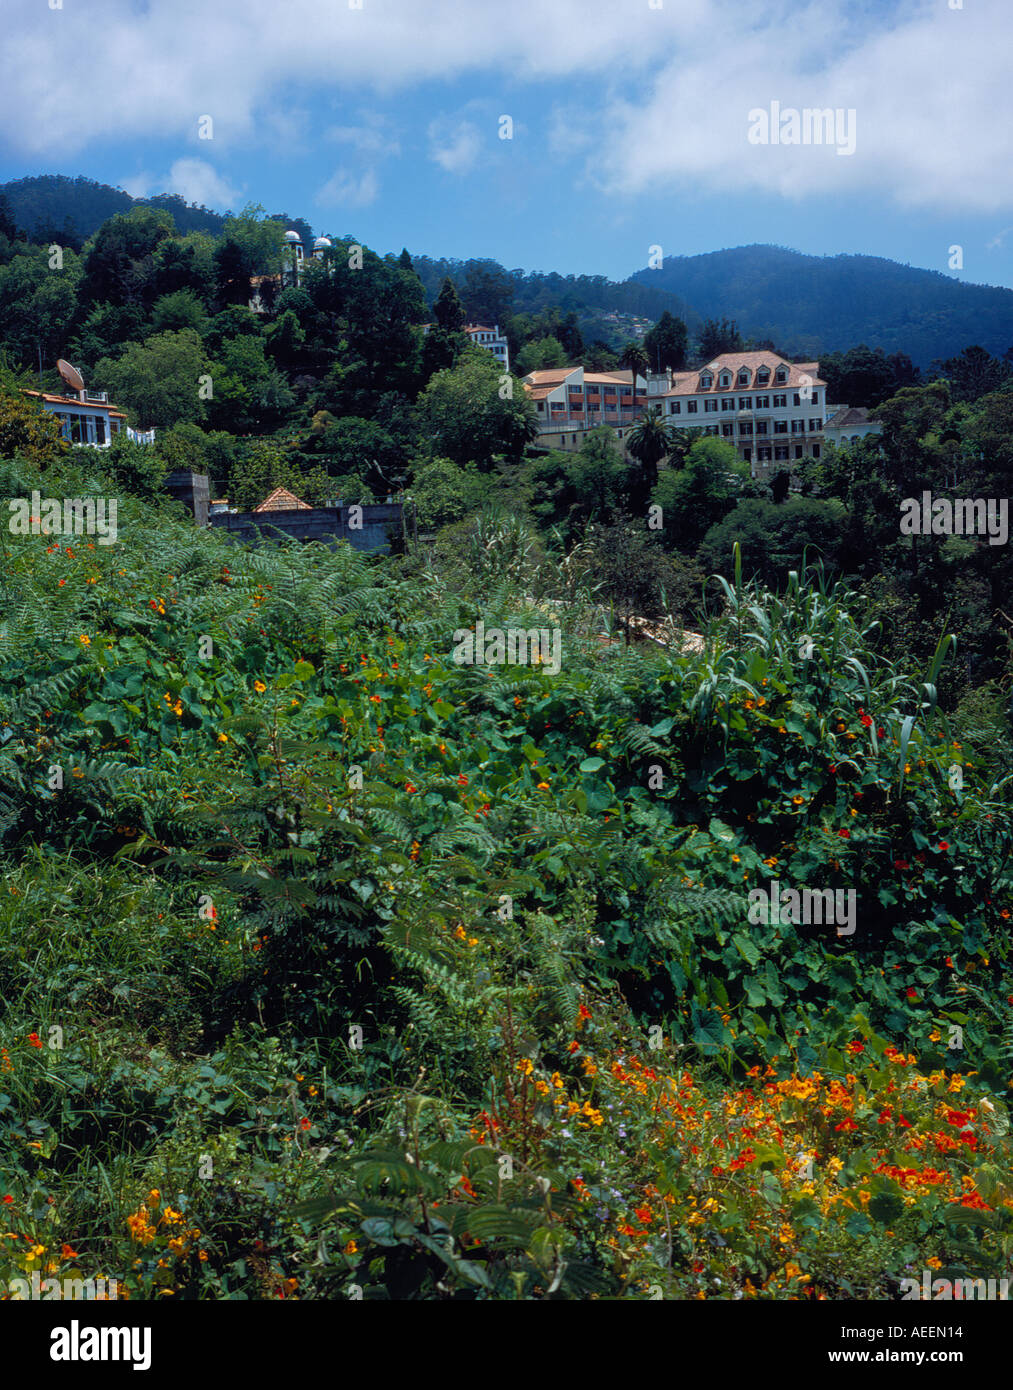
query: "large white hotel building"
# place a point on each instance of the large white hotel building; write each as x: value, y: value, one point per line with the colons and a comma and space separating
x: 772, y: 410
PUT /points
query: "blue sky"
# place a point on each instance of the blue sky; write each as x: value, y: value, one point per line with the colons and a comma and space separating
x: 631, y: 121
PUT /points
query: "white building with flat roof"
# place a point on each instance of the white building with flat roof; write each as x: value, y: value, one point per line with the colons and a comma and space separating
x: 88, y: 418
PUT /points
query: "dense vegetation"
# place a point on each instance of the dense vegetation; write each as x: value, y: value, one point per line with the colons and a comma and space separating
x: 331, y: 966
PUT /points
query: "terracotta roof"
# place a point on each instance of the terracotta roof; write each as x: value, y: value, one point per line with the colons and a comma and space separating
x: 624, y: 378
x: 281, y: 500
x: 539, y: 393
x: 547, y: 376
x: 688, y: 383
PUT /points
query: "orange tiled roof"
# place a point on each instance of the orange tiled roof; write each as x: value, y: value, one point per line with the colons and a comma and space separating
x: 688, y: 383
x: 281, y: 500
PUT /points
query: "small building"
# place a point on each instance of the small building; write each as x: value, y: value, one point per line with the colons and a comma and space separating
x: 847, y: 424
x: 492, y: 340
x: 86, y: 417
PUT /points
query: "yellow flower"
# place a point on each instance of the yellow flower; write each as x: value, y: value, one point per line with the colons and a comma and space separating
x: 223, y: 738
x: 85, y: 641
x: 259, y: 687
x: 543, y: 786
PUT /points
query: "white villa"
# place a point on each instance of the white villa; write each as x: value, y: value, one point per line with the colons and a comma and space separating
x: 88, y: 418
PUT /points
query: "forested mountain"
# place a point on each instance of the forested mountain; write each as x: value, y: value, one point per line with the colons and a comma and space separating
x: 807, y: 305
x: 812, y: 303
x: 54, y: 202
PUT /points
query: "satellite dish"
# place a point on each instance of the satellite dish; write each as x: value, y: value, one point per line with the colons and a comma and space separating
x: 71, y: 375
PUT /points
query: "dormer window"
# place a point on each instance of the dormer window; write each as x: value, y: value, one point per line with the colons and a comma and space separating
x: 763, y: 376
x: 725, y: 380
x: 744, y: 376
x: 706, y: 381
x: 782, y: 375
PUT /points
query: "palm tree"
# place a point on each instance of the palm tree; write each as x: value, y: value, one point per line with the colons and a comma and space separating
x: 680, y: 443
x: 635, y: 360
x: 649, y: 441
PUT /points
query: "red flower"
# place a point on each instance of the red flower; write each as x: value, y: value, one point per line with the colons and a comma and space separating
x: 8, y: 1199
x: 846, y: 1125
x: 35, y: 1040
x: 866, y: 720
x: 881, y: 733
x: 943, y: 846
x: 911, y: 992
x: 884, y: 1117
x: 854, y: 1048
x: 844, y: 834
x: 462, y: 781
x: 409, y: 787
x: 901, y: 864
x: 305, y: 1124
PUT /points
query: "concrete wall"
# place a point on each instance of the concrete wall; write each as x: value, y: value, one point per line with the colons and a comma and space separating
x: 379, y: 521
x: 192, y: 490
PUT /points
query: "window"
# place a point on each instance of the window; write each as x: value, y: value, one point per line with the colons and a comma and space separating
x: 816, y: 398
x: 797, y: 398
x: 575, y: 390
x: 710, y: 406
x: 746, y: 427
x: 541, y: 406
x: 706, y: 381
x: 674, y: 408
x: 728, y: 403
x: 747, y: 454
x: 781, y: 451
x: 762, y: 376
x: 763, y: 455
x: 763, y: 402
x: 745, y: 402
x: 100, y: 430
x: 782, y: 376
x: 798, y: 451
x: 780, y: 402
x: 816, y: 451
x: 691, y: 408
x: 798, y: 427
x: 761, y: 427
x: 76, y: 433
x: 626, y: 390
x: 727, y: 428
x: 815, y: 426
x: 710, y: 429
x: 780, y: 426
x: 725, y: 380
x: 743, y: 379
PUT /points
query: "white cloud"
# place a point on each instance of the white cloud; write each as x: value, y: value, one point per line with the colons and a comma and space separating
x: 672, y: 86
x: 454, y: 145
x: 197, y: 182
x: 349, y: 189
x: 373, y: 140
